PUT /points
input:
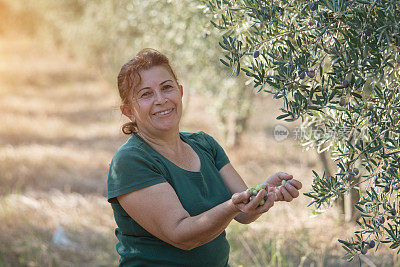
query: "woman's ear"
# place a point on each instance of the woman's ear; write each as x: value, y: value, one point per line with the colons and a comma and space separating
x: 127, y: 111
x: 181, y: 89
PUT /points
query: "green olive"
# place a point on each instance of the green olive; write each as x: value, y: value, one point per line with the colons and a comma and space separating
x: 250, y: 190
x: 253, y: 191
x: 263, y: 186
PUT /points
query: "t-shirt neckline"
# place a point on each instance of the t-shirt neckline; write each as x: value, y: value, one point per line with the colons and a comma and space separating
x: 184, y: 139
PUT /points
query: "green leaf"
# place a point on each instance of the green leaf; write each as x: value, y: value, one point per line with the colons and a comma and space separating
x: 395, y: 245
x: 224, y: 62
x: 282, y: 116
x: 359, y: 208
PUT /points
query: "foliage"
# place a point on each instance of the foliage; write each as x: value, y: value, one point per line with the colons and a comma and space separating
x: 335, y: 64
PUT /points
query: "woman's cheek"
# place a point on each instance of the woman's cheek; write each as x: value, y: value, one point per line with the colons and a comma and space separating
x: 144, y: 102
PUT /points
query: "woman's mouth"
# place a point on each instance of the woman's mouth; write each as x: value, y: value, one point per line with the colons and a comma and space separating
x: 164, y: 113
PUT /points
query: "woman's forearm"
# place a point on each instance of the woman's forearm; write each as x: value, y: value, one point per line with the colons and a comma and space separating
x: 197, y: 230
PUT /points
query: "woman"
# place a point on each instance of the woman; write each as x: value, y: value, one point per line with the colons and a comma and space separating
x: 174, y: 193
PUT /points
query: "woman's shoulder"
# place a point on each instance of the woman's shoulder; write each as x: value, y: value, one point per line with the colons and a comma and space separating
x: 196, y: 136
x: 133, y: 147
x: 202, y: 138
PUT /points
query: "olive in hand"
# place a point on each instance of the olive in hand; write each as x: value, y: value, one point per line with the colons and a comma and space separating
x: 254, y: 191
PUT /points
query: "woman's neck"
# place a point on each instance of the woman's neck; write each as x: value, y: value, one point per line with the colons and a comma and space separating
x: 167, y: 143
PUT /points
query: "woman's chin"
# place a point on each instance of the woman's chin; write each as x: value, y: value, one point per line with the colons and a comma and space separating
x: 171, y: 125
x: 168, y: 128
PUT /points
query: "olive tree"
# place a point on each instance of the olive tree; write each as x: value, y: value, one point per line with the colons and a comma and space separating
x: 335, y: 65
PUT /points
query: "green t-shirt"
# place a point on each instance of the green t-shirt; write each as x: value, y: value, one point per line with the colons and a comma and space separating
x: 137, y: 165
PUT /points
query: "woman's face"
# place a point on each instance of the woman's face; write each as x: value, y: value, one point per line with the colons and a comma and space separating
x: 157, y: 102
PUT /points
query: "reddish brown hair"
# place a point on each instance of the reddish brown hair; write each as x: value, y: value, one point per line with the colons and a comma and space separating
x: 129, y: 77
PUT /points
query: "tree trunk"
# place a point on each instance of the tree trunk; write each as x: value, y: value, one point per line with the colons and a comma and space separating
x: 235, y: 113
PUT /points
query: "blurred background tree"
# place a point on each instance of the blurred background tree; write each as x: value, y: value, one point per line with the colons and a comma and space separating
x: 335, y: 65
x: 108, y: 33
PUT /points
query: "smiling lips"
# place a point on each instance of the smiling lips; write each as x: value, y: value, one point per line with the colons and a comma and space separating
x: 163, y: 113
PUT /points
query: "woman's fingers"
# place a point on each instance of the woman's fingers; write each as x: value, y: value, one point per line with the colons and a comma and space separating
x: 281, y: 193
x: 278, y: 194
x: 268, y: 203
x: 256, y: 201
x: 286, y: 195
x: 241, y: 197
x: 292, y: 190
x: 296, y: 184
x: 285, y: 176
x: 254, y: 207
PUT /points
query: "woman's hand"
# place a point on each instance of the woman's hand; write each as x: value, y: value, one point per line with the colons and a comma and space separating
x: 286, y: 192
x: 252, y: 209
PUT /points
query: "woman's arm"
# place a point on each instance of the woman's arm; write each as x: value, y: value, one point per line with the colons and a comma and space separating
x: 235, y: 184
x: 158, y: 210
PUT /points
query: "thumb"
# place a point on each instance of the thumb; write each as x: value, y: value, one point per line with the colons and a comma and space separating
x: 241, y: 197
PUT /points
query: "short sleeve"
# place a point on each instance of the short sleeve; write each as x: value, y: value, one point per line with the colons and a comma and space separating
x: 220, y: 157
x: 129, y: 171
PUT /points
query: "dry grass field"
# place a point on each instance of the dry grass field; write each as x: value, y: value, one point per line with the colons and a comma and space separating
x: 59, y: 128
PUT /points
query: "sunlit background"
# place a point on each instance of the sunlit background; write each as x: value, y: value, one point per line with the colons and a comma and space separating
x: 60, y: 126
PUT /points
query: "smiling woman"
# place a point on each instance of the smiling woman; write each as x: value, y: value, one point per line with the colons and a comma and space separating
x: 173, y: 193
x: 156, y: 106
x: 130, y: 78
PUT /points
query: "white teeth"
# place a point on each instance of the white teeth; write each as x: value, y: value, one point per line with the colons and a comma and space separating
x: 164, y: 112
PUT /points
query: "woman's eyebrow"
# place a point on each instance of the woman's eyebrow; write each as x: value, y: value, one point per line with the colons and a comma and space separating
x: 166, y: 81
x: 149, y: 87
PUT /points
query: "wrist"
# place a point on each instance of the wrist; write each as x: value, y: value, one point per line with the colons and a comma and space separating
x: 232, y: 207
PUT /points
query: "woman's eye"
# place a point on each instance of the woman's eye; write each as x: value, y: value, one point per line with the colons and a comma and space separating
x: 146, y: 94
x: 167, y: 87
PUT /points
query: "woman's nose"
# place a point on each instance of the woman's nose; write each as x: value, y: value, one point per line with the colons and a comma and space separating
x: 160, y: 97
